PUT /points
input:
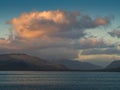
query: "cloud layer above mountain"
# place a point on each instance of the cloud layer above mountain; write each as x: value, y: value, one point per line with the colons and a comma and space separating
x: 55, y: 34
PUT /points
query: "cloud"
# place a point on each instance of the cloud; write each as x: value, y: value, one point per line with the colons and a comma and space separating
x: 102, y: 21
x: 55, y: 53
x: 100, y: 51
x: 3, y: 42
x: 102, y: 56
x: 86, y: 43
x: 39, y: 24
x: 44, y: 48
x: 102, y: 59
x: 54, y: 34
x: 115, y: 33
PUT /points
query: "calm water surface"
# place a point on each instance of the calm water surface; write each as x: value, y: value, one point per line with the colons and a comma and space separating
x: 15, y: 80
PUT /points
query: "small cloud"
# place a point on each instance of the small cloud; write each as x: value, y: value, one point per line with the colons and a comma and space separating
x: 101, y: 21
x: 99, y: 51
x: 115, y: 33
x: 86, y: 43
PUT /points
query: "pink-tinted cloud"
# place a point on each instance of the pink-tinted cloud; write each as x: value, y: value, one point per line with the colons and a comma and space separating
x: 102, y: 21
x: 39, y: 24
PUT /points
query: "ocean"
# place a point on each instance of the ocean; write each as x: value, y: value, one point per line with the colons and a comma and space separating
x: 53, y: 80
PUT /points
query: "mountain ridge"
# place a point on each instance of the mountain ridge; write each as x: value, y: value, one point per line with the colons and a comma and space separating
x: 26, y: 62
x: 21, y: 62
x: 77, y: 65
x: 113, y: 66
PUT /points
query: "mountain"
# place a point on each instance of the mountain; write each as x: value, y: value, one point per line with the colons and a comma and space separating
x: 26, y: 62
x: 77, y: 65
x: 114, y: 66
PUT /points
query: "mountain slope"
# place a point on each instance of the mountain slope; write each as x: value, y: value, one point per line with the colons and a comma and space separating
x: 114, y: 66
x: 26, y: 62
x: 77, y: 65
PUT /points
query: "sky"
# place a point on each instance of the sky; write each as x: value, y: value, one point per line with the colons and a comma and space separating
x: 84, y: 30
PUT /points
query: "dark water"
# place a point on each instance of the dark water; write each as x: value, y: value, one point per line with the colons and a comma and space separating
x: 59, y: 80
